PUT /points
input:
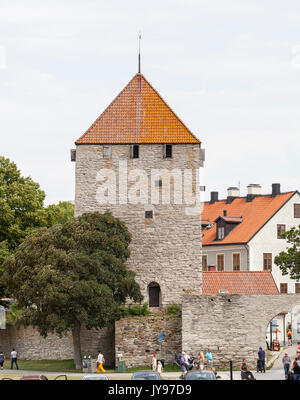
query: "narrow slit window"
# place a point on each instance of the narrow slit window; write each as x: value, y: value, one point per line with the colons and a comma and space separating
x: 107, y: 150
x: 134, y: 151
x: 168, y: 151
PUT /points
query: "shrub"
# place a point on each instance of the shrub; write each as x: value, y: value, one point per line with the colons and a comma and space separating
x: 134, y: 310
x: 173, y: 309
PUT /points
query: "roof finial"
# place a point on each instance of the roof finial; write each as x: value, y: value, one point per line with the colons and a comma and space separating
x: 140, y: 36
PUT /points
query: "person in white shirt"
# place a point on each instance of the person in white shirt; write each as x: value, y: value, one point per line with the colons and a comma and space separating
x: 14, y: 360
x: 100, y: 362
x: 159, y: 367
x: 154, y: 362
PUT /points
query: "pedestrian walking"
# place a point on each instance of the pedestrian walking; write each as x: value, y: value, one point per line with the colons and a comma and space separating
x: 261, y: 360
x: 209, y: 358
x: 298, y: 349
x: 154, y: 362
x: 14, y: 359
x: 289, y: 334
x: 201, y: 360
x: 286, y: 362
x: 184, y: 365
x: 159, y: 368
x: 100, y: 362
x: 296, y: 369
x: 2, y: 359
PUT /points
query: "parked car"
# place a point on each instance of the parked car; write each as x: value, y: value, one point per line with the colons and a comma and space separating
x: 95, y: 377
x: 201, y: 376
x: 37, y: 378
x: 146, y: 376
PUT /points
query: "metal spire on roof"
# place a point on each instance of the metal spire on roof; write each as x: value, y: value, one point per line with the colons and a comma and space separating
x: 140, y: 36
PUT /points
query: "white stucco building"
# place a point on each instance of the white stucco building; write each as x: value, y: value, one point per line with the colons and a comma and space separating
x: 243, y: 234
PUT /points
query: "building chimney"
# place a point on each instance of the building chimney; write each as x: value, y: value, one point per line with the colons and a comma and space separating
x: 275, y: 189
x: 214, y: 196
x: 232, y: 193
x: 254, y: 189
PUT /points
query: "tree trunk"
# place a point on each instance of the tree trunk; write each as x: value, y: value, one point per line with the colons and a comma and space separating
x: 77, y: 346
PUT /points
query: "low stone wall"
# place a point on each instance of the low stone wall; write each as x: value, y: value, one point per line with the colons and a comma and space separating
x: 30, y: 345
x: 137, y: 339
x: 232, y: 326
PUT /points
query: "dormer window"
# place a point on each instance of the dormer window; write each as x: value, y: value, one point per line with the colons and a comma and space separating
x: 221, y: 233
x: 225, y: 224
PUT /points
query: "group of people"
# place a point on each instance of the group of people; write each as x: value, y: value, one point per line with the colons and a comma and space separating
x: 292, y: 368
x: 156, y: 364
x: 245, y: 368
x: 13, y: 359
x: 188, y: 361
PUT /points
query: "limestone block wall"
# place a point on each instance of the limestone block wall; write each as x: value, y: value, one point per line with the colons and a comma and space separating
x: 165, y: 249
x: 232, y: 326
x: 30, y: 345
x: 137, y: 339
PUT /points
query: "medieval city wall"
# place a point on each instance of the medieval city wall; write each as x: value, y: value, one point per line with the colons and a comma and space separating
x: 30, y: 345
x: 165, y: 249
x: 136, y: 338
x: 232, y: 326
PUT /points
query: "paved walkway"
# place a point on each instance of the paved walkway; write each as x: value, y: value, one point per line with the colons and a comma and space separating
x: 276, y: 373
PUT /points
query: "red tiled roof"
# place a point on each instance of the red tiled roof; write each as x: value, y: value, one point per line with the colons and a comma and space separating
x: 138, y: 115
x: 255, y: 214
x: 239, y: 282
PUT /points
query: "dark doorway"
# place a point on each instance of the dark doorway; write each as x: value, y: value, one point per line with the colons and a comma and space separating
x: 154, y: 294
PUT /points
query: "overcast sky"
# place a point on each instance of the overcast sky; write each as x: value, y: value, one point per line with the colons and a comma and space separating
x: 229, y: 69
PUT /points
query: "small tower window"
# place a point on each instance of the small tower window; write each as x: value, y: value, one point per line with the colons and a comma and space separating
x: 134, y: 151
x: 149, y: 214
x: 154, y: 294
x: 107, y: 151
x: 167, y: 151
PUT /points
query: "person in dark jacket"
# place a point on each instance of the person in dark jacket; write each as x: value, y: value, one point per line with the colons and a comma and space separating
x: 296, y: 369
x: 261, y: 359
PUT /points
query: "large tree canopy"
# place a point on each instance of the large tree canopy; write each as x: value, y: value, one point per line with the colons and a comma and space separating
x: 289, y: 260
x: 21, y: 205
x: 72, y: 275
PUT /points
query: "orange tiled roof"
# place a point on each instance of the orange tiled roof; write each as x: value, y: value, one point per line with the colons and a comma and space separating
x: 255, y: 214
x: 239, y: 282
x: 138, y: 115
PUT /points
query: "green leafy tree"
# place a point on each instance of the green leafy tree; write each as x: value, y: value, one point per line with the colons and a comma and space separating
x: 21, y: 209
x: 59, y: 213
x: 289, y: 260
x: 73, y: 275
x: 21, y: 205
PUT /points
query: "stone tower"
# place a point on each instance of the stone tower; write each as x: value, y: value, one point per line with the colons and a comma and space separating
x: 141, y: 162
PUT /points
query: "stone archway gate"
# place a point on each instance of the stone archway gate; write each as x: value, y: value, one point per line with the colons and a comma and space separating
x: 233, y: 326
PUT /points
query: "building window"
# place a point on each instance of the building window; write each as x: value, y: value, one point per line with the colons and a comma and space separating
x: 148, y: 214
x: 297, y: 287
x: 280, y: 229
x: 236, y: 262
x: 283, y: 288
x: 167, y: 151
x: 107, y: 150
x: 204, y: 263
x: 267, y: 261
x: 296, y: 210
x: 134, y: 151
x: 154, y: 294
x: 221, y: 233
x: 220, y: 262
x: 158, y: 183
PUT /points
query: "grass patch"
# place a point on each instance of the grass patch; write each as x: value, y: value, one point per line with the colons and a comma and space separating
x: 44, y: 365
